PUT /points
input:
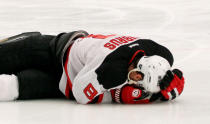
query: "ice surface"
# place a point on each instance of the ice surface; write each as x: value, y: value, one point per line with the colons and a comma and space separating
x: 181, y: 25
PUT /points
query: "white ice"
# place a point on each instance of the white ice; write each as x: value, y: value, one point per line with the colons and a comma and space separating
x: 181, y: 25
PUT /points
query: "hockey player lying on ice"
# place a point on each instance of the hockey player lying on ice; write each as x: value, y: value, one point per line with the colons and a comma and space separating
x: 87, y: 68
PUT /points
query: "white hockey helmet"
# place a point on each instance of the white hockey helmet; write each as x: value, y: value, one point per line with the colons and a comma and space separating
x: 153, y: 69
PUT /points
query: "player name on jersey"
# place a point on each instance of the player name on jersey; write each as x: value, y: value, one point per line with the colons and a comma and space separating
x: 113, y: 43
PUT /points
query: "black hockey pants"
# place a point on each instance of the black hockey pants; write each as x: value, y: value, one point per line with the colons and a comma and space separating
x: 32, y: 61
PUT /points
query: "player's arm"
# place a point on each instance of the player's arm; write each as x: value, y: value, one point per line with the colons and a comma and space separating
x: 152, y: 48
x: 86, y: 88
x: 173, y: 82
x: 130, y: 94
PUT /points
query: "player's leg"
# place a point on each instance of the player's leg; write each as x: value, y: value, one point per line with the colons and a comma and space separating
x: 27, y: 50
x: 36, y: 84
x: 29, y: 84
x: 21, y: 52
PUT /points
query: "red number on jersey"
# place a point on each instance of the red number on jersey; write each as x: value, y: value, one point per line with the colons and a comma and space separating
x: 90, y: 91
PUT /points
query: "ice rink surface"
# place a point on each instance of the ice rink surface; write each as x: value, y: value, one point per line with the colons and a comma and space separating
x: 181, y: 25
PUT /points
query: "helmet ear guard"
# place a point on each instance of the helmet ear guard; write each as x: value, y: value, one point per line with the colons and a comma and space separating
x: 153, y: 68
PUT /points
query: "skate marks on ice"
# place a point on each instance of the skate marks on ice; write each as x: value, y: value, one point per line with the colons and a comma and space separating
x: 110, y: 17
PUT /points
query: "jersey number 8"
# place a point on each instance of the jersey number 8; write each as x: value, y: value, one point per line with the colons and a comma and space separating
x: 90, y: 91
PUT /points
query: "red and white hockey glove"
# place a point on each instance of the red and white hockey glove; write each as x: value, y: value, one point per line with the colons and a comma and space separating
x: 130, y: 94
x: 172, y: 84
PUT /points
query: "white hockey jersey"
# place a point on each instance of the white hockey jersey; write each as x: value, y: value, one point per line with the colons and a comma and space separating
x: 84, y: 72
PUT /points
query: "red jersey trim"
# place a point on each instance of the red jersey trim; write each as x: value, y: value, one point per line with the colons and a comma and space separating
x: 69, y: 83
x: 100, y: 98
x: 67, y: 90
x: 135, y: 55
x: 99, y: 36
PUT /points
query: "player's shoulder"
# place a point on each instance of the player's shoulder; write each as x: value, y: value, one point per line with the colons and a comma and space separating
x: 147, y: 41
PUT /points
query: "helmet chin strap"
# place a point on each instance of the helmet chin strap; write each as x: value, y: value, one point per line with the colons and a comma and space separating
x: 130, y: 81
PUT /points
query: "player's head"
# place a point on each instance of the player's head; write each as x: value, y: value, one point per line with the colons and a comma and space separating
x: 152, y: 69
